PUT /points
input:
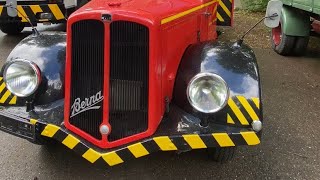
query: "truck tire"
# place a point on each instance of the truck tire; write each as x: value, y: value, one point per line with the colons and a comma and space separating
x: 301, y: 45
x: 12, y: 28
x: 281, y: 43
x: 221, y: 155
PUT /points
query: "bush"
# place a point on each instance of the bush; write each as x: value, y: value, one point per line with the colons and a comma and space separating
x: 254, y: 5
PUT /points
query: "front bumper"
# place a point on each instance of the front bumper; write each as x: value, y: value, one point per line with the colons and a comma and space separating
x: 32, y: 11
x: 180, y: 132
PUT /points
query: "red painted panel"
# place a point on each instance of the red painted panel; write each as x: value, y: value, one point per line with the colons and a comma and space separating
x: 316, y: 26
x: 167, y: 45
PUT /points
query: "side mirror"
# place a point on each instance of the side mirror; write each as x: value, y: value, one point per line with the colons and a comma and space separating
x: 273, y: 13
x: 11, y: 8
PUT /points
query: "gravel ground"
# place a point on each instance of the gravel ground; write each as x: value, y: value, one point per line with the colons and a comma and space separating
x: 260, y: 36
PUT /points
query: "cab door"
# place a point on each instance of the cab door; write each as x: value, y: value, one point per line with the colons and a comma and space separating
x: 208, y: 29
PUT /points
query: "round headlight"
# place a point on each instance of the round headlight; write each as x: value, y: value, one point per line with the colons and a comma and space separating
x: 22, y: 77
x: 207, y: 92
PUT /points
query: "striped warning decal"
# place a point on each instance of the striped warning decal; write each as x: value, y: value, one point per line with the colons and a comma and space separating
x: 187, y: 12
x: 243, y: 111
x: 146, y: 147
x: 225, y: 12
x: 215, y: 8
x: 6, y: 97
x: 30, y: 11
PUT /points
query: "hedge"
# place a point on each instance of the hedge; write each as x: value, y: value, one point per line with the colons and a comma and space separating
x: 254, y: 5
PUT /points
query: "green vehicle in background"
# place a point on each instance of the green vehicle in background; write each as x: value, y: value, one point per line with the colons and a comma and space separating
x: 299, y: 20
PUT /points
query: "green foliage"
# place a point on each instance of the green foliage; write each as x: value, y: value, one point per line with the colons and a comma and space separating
x: 254, y: 5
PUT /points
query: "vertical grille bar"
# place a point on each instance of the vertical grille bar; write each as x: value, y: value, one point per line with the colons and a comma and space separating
x: 87, y: 76
x: 128, y: 94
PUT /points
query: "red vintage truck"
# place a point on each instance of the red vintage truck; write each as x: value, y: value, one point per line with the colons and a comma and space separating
x: 132, y: 77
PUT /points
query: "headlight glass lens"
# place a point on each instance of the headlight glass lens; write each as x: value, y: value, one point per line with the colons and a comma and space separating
x: 208, y: 92
x: 22, y: 77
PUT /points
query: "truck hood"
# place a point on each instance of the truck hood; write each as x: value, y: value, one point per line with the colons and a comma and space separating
x: 156, y: 10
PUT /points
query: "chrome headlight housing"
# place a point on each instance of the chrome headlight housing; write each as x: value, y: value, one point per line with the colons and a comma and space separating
x: 22, y: 77
x: 207, y: 92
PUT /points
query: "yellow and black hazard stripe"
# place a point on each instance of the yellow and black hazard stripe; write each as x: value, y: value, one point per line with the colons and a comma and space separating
x: 243, y: 111
x: 31, y: 11
x: 146, y: 147
x: 6, y: 97
x: 225, y: 12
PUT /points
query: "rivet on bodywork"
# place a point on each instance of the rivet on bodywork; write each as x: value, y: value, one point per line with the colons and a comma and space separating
x: 256, y: 125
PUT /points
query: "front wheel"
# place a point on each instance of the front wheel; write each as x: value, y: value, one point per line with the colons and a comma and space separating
x: 282, y: 43
x: 12, y: 28
x: 301, y: 45
x: 221, y: 155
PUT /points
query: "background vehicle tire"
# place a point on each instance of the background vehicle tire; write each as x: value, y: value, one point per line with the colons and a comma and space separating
x: 12, y: 28
x: 221, y: 155
x: 301, y: 45
x: 281, y: 43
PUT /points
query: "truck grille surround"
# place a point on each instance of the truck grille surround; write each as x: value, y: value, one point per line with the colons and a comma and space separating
x: 128, y: 78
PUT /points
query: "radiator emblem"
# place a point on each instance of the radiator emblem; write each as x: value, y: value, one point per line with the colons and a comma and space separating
x: 86, y: 104
x: 106, y: 17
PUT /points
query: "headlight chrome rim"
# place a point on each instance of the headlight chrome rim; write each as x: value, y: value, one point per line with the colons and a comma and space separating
x: 215, y: 76
x: 34, y: 67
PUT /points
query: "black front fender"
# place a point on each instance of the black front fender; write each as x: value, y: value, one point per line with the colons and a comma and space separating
x: 236, y: 65
x: 48, y: 52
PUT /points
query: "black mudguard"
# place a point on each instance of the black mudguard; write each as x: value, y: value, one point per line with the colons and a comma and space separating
x: 48, y: 52
x: 237, y: 65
